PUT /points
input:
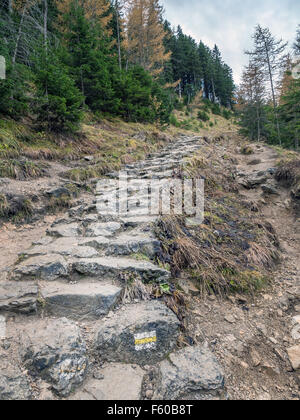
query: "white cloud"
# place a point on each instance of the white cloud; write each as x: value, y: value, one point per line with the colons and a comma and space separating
x: 230, y: 23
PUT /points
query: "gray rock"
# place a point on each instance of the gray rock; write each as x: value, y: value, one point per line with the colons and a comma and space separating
x: 79, y: 301
x: 254, y: 180
x: 55, y: 351
x: 270, y: 189
x: 129, y: 244
x: 65, y: 230
x: 119, y: 382
x: 143, y: 334
x: 112, y: 267
x: 47, y: 267
x: 294, y: 356
x: 18, y: 297
x: 58, y: 192
x: 189, y: 371
x: 134, y: 221
x: 103, y: 229
x: 70, y: 249
x: 14, y: 385
x: 98, y: 242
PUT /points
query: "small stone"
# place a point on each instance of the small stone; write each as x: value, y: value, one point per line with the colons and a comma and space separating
x: 149, y: 394
x: 294, y: 356
x: 244, y: 365
x: 99, y: 376
x: 255, y: 358
x: 230, y: 319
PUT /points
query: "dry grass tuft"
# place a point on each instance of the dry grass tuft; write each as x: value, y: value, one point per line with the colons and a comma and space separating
x: 289, y: 173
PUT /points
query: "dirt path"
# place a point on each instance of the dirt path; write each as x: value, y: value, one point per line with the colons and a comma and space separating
x: 251, y: 337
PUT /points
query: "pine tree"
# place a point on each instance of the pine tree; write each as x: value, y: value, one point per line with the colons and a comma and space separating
x: 269, y: 55
x: 89, y: 60
x: 252, y: 92
x: 58, y: 101
x: 297, y: 42
x: 145, y: 36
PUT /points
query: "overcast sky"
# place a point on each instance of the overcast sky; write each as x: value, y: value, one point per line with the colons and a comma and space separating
x: 230, y: 23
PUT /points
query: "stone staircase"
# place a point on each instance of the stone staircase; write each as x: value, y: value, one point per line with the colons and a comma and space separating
x: 77, y: 273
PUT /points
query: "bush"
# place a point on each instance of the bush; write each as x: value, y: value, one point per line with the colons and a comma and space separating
x: 174, y: 121
x: 203, y: 116
x: 215, y: 109
x: 58, y: 105
x: 226, y: 114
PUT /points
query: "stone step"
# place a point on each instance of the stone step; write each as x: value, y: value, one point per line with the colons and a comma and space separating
x: 53, y: 267
x: 18, y: 297
x: 71, y: 249
x: 45, y: 267
x: 135, y: 221
x: 125, y: 244
x: 107, y: 229
x: 114, y: 267
x: 65, y: 230
x: 114, y: 382
x: 88, y: 300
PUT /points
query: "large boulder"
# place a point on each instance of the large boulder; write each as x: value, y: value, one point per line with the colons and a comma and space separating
x: 54, y: 350
x: 190, y: 371
x: 142, y: 334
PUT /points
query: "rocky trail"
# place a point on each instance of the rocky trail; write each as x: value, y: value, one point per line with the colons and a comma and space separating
x: 79, y: 323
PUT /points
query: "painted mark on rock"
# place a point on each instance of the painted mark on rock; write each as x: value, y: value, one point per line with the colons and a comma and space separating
x: 144, y: 341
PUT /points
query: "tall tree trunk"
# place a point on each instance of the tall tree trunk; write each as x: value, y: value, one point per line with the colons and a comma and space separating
x: 14, y: 57
x: 213, y: 90
x: 273, y: 93
x: 46, y: 38
x: 258, y: 123
x: 118, y: 33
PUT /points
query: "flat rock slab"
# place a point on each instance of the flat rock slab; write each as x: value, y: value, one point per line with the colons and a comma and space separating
x: 54, y: 350
x: 294, y: 356
x: 112, y: 267
x: 120, y: 383
x: 189, y: 371
x: 67, y: 250
x: 135, y: 221
x: 142, y: 333
x: 65, y: 230
x: 46, y: 267
x: 18, y: 297
x: 103, y: 229
x: 254, y: 181
x: 126, y: 245
x: 14, y: 385
x: 79, y: 301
